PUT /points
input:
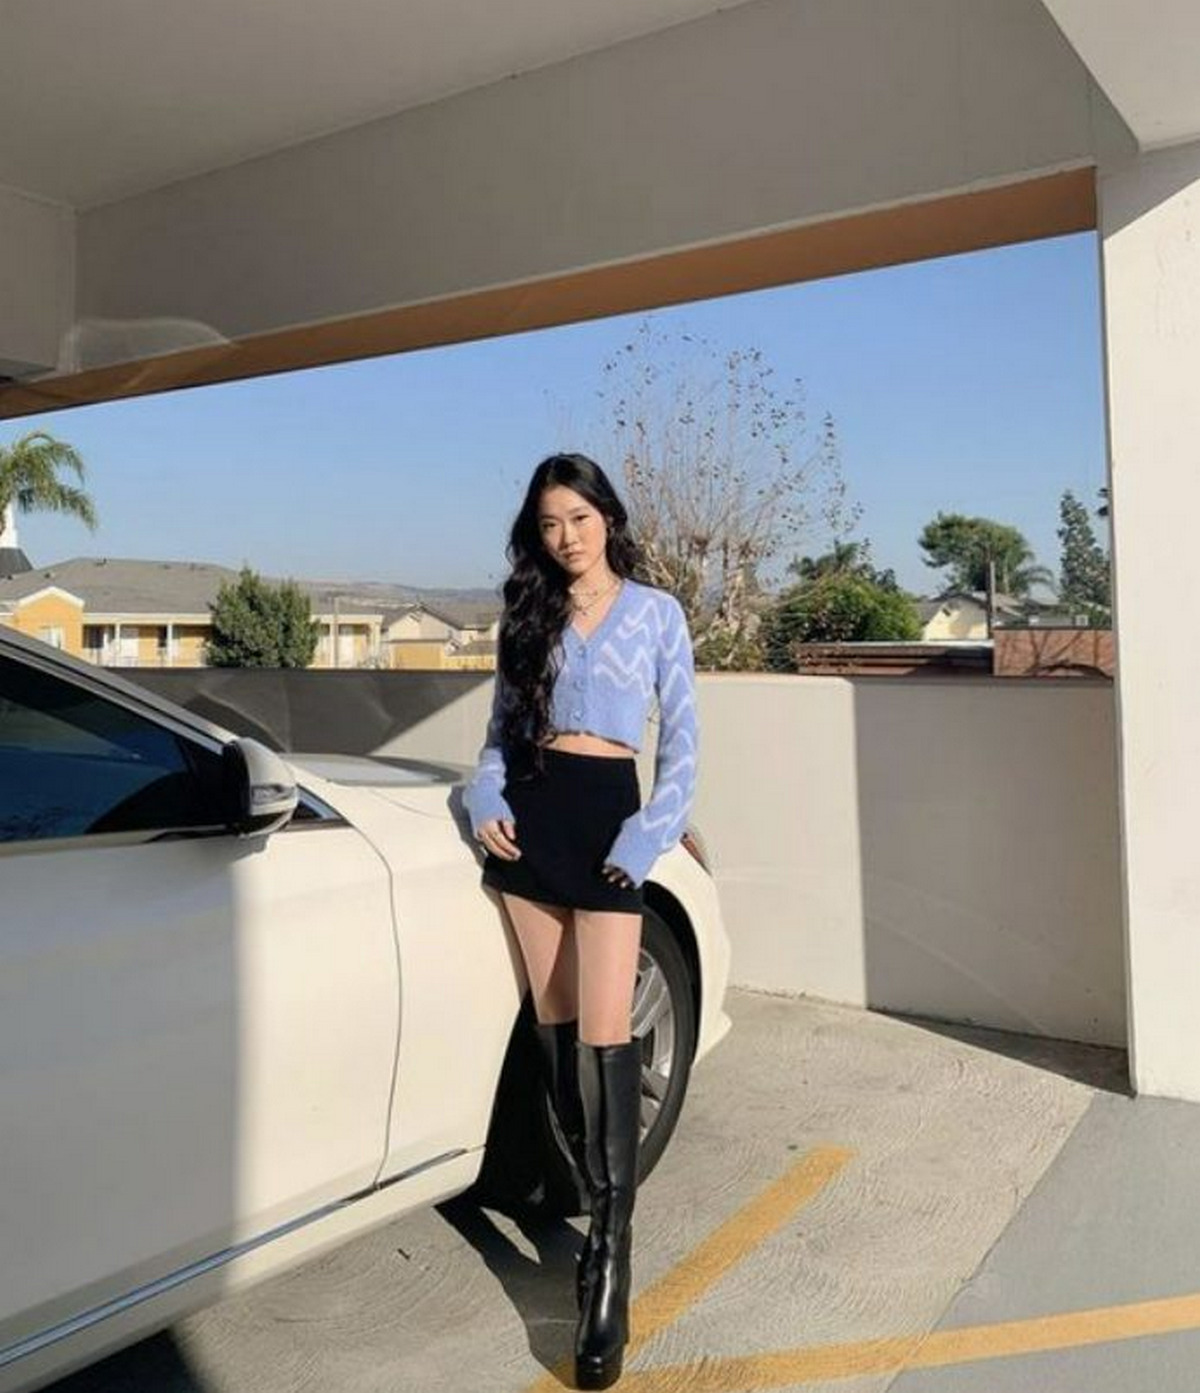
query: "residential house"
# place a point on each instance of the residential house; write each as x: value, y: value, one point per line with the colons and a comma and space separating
x: 132, y: 613
x: 963, y: 614
x: 421, y: 636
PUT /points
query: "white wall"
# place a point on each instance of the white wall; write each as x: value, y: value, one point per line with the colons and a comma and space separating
x: 767, y: 115
x: 944, y: 847
x: 37, y: 281
x: 1150, y: 226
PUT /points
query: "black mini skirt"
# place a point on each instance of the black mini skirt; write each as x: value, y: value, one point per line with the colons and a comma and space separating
x: 567, y: 817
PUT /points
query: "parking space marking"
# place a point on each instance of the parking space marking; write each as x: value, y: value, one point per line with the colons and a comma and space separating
x: 664, y: 1302
x: 667, y: 1299
x: 935, y: 1349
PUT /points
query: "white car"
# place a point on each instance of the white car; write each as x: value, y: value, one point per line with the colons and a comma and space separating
x: 250, y: 1008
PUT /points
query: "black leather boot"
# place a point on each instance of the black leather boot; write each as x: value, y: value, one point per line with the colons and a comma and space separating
x: 560, y: 1069
x: 610, y: 1081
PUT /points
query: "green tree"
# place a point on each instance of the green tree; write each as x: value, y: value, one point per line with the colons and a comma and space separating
x: 29, y: 478
x: 852, y: 558
x: 1084, y: 582
x: 257, y: 624
x: 839, y: 607
x: 964, y: 547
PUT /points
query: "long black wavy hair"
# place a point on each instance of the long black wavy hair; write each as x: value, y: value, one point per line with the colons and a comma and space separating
x: 536, y: 606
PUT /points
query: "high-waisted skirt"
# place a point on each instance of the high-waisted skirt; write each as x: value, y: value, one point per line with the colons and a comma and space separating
x: 567, y: 817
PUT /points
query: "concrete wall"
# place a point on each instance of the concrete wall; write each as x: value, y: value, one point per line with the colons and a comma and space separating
x: 37, y: 281
x: 947, y: 847
x: 941, y: 846
x: 1150, y: 226
x: 768, y: 115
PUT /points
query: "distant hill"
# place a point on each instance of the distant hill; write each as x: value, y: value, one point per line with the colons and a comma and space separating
x: 383, y: 595
x: 379, y: 591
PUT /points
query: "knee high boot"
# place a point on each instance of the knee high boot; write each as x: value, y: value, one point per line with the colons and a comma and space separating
x: 610, y: 1078
x: 560, y: 1069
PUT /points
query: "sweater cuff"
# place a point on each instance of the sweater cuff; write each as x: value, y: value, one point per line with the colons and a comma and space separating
x: 633, y: 852
x: 486, y: 805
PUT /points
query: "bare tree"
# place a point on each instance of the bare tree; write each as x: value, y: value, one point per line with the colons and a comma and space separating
x: 722, y: 474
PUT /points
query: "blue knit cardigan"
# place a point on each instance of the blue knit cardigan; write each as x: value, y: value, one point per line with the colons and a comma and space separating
x: 605, y: 685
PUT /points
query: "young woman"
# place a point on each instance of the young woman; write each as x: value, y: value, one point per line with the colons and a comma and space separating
x: 584, y: 647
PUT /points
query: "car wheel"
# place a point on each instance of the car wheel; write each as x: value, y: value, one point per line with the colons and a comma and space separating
x: 664, y: 1019
x: 516, y: 1174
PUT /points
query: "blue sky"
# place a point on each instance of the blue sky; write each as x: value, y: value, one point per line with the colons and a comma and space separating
x: 970, y: 384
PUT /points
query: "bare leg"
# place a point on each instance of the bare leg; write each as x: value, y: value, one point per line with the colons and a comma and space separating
x: 607, y: 944
x: 547, y: 944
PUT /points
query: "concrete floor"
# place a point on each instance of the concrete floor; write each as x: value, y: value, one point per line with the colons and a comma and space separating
x: 852, y: 1202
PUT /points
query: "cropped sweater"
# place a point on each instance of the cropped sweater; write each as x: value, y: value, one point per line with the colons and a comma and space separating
x: 604, y: 685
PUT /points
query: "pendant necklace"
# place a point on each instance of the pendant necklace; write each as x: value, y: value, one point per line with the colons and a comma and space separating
x: 582, y: 606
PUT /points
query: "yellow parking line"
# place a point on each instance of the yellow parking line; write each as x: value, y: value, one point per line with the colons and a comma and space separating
x: 691, y: 1277
x: 818, y: 1363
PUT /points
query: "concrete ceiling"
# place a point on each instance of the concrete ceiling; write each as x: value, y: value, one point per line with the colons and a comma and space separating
x: 1145, y: 54
x: 108, y: 98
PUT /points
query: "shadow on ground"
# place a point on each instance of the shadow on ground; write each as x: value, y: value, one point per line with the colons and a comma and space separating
x: 541, y: 1289
x: 156, y: 1365
x: 1099, y: 1066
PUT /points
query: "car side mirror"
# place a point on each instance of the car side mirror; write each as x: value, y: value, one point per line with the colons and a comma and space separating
x: 260, y: 789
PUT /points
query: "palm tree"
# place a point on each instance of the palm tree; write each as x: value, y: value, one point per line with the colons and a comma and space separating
x: 845, y: 556
x: 1019, y: 579
x: 846, y: 559
x: 30, y: 482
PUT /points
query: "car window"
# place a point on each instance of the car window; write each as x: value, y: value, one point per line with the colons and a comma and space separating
x: 74, y: 763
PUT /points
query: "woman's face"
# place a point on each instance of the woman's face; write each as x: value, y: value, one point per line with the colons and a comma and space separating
x: 573, y: 530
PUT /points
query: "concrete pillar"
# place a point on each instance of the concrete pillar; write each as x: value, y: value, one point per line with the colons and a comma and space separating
x: 1150, y: 234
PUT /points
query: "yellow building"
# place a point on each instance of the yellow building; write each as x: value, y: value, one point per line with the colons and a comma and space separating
x: 961, y: 614
x: 120, y: 613
x: 419, y: 636
x: 348, y: 640
x: 50, y: 613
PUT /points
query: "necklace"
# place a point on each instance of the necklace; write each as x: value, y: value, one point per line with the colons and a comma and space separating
x: 580, y: 606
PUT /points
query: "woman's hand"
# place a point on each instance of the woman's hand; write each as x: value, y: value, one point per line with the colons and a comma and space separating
x: 499, y: 836
x: 617, y: 876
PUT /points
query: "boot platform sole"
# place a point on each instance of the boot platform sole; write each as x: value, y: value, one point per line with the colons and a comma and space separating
x: 597, y: 1373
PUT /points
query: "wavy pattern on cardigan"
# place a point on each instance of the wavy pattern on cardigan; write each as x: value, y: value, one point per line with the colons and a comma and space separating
x: 606, y: 683
x: 659, y: 824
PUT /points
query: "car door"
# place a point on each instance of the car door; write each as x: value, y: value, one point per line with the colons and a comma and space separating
x: 197, y: 1032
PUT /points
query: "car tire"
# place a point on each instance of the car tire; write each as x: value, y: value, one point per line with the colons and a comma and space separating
x: 518, y: 1176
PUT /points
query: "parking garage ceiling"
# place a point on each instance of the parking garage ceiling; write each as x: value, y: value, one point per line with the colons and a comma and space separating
x: 102, y: 99
x: 1146, y: 58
